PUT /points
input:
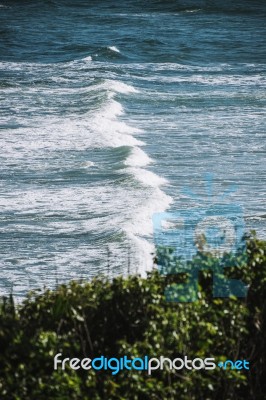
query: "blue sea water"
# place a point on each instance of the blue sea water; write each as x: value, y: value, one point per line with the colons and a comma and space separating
x: 108, y: 110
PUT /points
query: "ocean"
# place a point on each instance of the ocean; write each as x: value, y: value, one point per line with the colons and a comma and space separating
x: 108, y: 110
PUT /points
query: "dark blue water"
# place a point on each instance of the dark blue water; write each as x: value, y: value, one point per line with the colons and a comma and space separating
x: 108, y: 109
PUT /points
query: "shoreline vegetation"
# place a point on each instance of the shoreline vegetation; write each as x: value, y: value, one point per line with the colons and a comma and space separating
x: 131, y: 317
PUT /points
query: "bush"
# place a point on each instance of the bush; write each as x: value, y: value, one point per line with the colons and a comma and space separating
x: 130, y: 316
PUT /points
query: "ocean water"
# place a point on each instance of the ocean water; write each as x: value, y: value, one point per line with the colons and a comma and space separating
x: 108, y: 110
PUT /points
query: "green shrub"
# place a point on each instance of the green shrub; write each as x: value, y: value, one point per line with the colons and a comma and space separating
x: 130, y: 316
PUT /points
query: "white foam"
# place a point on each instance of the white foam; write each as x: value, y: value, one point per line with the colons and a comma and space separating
x: 79, y: 61
x: 115, y: 133
x: 120, y: 87
x: 88, y: 58
x: 144, y: 253
x: 139, y: 229
x: 112, y: 110
x: 138, y: 158
x: 114, y: 48
x: 147, y: 177
x: 96, y: 129
x: 155, y: 201
x: 220, y: 80
x: 36, y: 144
x: 192, y: 11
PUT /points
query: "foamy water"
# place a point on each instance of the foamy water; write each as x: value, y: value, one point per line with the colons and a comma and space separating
x: 75, y: 190
x: 107, y: 114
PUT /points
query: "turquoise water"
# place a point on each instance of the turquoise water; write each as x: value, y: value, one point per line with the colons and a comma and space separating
x: 107, y: 111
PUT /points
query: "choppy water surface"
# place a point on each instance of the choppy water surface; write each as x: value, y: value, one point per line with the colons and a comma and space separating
x: 107, y: 111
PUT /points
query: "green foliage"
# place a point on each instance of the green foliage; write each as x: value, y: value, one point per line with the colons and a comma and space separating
x: 130, y: 316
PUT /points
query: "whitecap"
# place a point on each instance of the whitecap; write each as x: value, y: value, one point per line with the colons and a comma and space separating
x: 138, y: 158
x: 114, y: 48
x: 147, y: 177
x: 120, y: 87
x: 89, y: 58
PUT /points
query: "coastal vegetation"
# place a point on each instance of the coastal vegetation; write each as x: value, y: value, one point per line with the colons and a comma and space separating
x: 129, y: 316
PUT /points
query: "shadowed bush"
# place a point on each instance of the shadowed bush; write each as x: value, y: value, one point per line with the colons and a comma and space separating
x: 130, y: 316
